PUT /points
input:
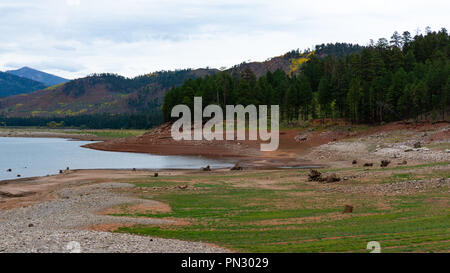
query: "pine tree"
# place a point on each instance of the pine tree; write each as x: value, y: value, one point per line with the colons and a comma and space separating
x: 353, y: 99
x: 396, y: 40
x: 306, y: 95
x: 420, y: 98
x: 409, y: 61
x: 324, y: 97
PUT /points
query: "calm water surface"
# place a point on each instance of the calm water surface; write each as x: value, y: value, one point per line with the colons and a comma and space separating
x: 31, y: 157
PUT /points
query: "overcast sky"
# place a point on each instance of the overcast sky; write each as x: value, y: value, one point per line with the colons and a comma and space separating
x: 73, y: 38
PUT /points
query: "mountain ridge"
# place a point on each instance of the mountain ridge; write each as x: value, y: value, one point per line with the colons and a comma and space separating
x: 14, y: 85
x: 98, y: 94
x: 39, y: 76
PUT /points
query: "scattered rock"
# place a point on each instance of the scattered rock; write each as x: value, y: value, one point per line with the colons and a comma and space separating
x: 332, y: 178
x: 155, y: 175
x: 314, y: 175
x: 59, y: 221
x: 301, y: 138
x: 354, y: 162
x: 368, y: 165
x: 348, y: 209
x: 385, y: 163
x: 447, y: 150
x: 404, y: 162
x: 207, y: 168
x: 18, y: 175
x: 61, y: 171
x: 183, y: 187
x: 9, y: 170
x: 67, y: 169
x: 236, y: 167
x: 408, y: 150
x: 417, y: 145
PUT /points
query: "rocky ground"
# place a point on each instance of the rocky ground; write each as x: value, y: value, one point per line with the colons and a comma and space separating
x: 61, y: 225
x: 400, y: 145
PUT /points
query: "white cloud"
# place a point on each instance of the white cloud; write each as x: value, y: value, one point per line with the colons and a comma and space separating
x: 73, y: 2
x: 74, y: 38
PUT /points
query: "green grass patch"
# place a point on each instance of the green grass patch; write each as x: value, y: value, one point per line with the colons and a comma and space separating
x: 108, y: 133
x: 252, y: 218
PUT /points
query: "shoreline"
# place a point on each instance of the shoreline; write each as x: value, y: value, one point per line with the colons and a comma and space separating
x: 246, y: 153
x: 30, y: 133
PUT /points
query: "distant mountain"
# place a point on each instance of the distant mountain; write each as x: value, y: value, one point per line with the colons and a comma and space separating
x: 13, y: 85
x: 99, y: 94
x: 39, y: 76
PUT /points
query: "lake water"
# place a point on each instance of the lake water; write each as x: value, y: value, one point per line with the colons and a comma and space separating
x: 31, y: 157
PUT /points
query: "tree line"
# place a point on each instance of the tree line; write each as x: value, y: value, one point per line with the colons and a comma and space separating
x: 93, y: 121
x: 400, y: 78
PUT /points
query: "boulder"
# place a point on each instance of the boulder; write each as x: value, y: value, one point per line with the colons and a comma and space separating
x: 207, y: 168
x: 368, y: 165
x: 332, y: 178
x: 348, y: 209
x: 155, y: 175
x: 417, y: 145
x: 404, y: 162
x: 236, y: 167
x: 385, y: 163
x: 315, y: 175
x: 354, y: 161
x: 301, y: 138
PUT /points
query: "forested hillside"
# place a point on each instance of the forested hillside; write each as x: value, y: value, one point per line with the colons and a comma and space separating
x: 400, y: 78
x: 12, y: 85
x: 97, y: 101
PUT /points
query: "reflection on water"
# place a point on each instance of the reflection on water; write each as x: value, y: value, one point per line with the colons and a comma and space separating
x: 30, y: 157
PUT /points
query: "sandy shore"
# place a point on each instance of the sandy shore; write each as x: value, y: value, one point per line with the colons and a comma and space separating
x: 48, y: 133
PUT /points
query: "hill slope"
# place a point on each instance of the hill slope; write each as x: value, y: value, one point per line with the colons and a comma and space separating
x: 99, y: 94
x: 12, y: 85
x: 39, y: 76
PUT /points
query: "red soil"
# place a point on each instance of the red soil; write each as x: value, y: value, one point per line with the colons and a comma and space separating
x: 289, y: 153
